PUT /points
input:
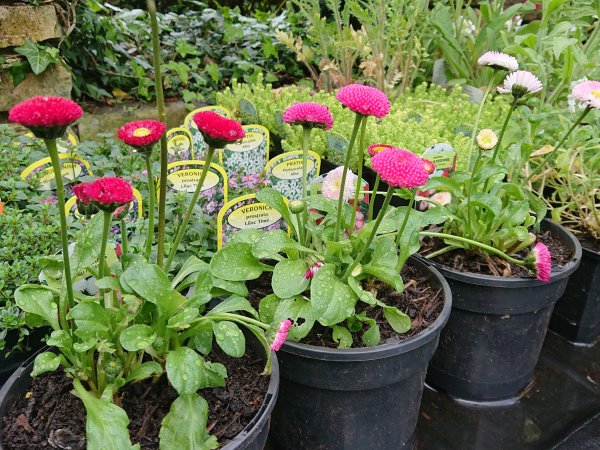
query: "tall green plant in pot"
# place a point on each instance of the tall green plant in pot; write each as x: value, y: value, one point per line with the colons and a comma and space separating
x: 494, y: 237
x: 338, y: 278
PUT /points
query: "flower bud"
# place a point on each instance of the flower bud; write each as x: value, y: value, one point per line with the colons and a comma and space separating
x: 487, y: 139
x: 297, y: 206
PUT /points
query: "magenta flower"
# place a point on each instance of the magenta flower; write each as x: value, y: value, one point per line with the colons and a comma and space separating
x: 309, y: 115
x: 542, y: 262
x: 311, y: 271
x: 400, y: 168
x: 365, y: 100
x: 281, y: 335
x: 376, y: 148
x: 46, y: 117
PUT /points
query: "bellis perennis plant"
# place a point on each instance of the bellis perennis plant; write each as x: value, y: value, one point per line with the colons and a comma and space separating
x: 144, y: 323
x: 332, y: 265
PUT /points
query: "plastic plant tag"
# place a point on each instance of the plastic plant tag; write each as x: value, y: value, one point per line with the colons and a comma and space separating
x: 135, y: 208
x: 183, y: 176
x: 337, y: 142
x: 443, y: 156
x: 248, y: 111
x: 284, y: 172
x: 199, y: 147
x: 41, y: 173
x: 63, y: 145
x: 246, y: 212
x: 248, y: 156
x: 179, y: 145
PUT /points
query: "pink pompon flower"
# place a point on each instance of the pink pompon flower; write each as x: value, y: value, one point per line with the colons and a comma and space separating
x: 311, y: 271
x: 142, y: 134
x: 429, y: 166
x: 400, y: 168
x: 376, y: 148
x: 281, y: 335
x: 46, y: 117
x: 218, y: 130
x: 520, y: 83
x: 80, y: 191
x: 332, y: 184
x: 364, y: 100
x: 108, y: 193
x: 498, y: 61
x: 309, y: 115
x: 542, y: 262
x: 588, y: 93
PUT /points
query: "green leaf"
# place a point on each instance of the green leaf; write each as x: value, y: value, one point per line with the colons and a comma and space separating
x: 386, y: 274
x: 289, y: 278
x: 236, y: 262
x: 45, y: 362
x: 202, y: 340
x: 92, y: 321
x: 184, y: 427
x: 233, y: 287
x: 38, y: 300
x: 60, y: 339
x: 342, y: 336
x: 182, y: 319
x: 371, y: 337
x: 332, y: 301
x: 87, y: 245
x: 145, y: 370
x: 37, y: 56
x: 275, y: 200
x: 398, y: 320
x: 106, y: 425
x: 271, y: 243
x: 234, y: 303
x: 137, y: 337
x: 151, y: 283
x: 188, y: 371
x: 213, y: 70
x: 274, y: 310
x: 192, y: 265
x: 230, y: 338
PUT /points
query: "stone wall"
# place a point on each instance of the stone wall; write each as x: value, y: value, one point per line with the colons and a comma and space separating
x: 18, y: 23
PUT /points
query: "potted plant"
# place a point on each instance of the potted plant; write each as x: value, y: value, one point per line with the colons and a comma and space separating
x: 573, y: 181
x: 364, y: 323
x: 139, y: 333
x: 493, y: 238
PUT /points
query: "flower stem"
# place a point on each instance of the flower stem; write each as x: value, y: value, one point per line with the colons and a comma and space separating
x: 357, y: 121
x: 363, y: 252
x: 60, y: 196
x: 476, y: 125
x: 301, y: 229
x: 305, y: 148
x: 361, y: 159
x: 160, y: 100
x: 510, y: 111
x: 102, y: 258
x: 124, y: 244
x: 373, y: 195
x: 470, y: 188
x: 406, y: 216
x: 151, y: 207
x: 190, y: 209
x: 562, y: 141
x: 472, y: 242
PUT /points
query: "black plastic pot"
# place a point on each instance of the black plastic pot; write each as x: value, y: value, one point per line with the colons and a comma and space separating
x: 351, y: 399
x: 492, y: 342
x: 576, y: 315
x: 252, y: 437
x: 8, y: 364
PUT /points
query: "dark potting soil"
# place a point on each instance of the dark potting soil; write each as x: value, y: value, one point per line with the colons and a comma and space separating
x: 50, y: 417
x: 422, y: 301
x: 484, y: 264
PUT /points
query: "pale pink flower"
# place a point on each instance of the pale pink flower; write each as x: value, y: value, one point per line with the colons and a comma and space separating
x: 498, y: 60
x: 359, y: 222
x: 588, y: 93
x: 309, y: 114
x: 365, y: 100
x: 281, y: 335
x: 542, y: 262
x: 332, y: 184
x: 441, y: 198
x: 520, y: 83
x: 400, y: 168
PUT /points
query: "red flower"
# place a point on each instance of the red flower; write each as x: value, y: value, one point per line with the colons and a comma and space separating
x: 429, y: 166
x: 400, y: 168
x: 365, y: 100
x: 108, y: 193
x: 218, y: 130
x: 142, y: 134
x: 309, y: 114
x: 80, y: 191
x: 46, y: 117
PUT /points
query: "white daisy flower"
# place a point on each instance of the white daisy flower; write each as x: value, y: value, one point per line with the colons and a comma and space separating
x: 332, y: 184
x: 520, y: 83
x: 487, y: 139
x: 587, y: 93
x: 498, y: 60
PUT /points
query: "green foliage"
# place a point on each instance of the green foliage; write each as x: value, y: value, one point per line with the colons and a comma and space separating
x: 110, y: 51
x: 417, y: 119
x: 38, y: 56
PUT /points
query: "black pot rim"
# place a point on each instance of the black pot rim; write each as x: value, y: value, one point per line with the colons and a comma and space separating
x: 386, y: 349
x: 250, y: 430
x: 557, y: 274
